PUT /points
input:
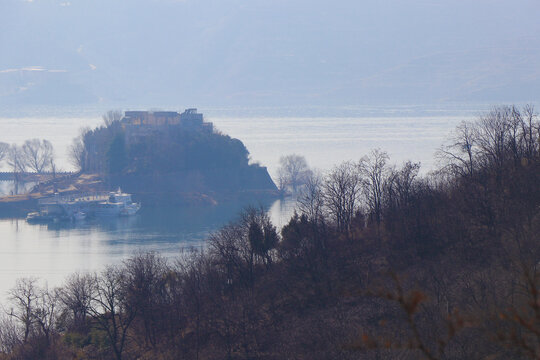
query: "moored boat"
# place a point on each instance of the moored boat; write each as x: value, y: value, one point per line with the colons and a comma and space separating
x: 79, y: 216
x: 38, y: 217
x: 118, y: 204
x: 77, y: 207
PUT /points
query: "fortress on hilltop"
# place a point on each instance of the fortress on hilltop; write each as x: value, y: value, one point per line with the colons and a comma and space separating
x: 175, y: 158
x: 189, y: 119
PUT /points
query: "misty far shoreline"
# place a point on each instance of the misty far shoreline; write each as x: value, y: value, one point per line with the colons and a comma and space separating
x: 241, y: 112
x: 243, y: 123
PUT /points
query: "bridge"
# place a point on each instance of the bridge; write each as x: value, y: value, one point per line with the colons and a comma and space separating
x: 32, y: 176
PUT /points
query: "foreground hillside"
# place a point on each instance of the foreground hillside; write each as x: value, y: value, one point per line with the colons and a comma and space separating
x: 380, y: 263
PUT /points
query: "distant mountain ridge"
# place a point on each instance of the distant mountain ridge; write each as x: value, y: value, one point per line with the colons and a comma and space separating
x: 257, y: 53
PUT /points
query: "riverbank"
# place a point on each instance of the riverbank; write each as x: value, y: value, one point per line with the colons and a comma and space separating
x: 19, y: 205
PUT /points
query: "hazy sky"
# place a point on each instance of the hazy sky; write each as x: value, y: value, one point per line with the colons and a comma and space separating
x: 275, y: 52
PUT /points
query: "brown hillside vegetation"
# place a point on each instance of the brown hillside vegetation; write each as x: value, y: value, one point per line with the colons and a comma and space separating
x: 379, y: 263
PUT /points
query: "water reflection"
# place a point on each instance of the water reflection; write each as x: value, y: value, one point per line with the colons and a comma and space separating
x: 52, y: 251
x: 281, y: 211
x: 10, y: 187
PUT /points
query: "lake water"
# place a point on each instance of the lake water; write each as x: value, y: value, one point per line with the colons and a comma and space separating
x: 51, y: 252
x: 324, y: 141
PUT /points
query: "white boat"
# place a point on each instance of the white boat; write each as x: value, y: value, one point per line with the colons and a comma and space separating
x: 78, y: 216
x: 37, y: 217
x: 77, y: 207
x: 118, y: 204
x: 130, y: 209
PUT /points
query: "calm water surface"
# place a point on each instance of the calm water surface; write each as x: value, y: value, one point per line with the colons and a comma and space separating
x: 324, y: 141
x: 51, y: 252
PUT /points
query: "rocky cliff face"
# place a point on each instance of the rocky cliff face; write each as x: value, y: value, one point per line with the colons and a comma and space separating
x: 196, y: 187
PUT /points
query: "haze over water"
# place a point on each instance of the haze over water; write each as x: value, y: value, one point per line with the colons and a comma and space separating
x: 325, y: 138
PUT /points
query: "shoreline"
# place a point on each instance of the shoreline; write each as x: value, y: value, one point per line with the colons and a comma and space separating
x: 18, y: 206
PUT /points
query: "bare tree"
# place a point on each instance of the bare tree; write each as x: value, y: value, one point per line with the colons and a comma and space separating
x: 401, y: 183
x: 77, y: 150
x: 9, y: 334
x: 15, y: 159
x: 342, y: 189
x: 504, y: 134
x: 45, y: 312
x: 24, y: 297
x: 108, y: 308
x: 311, y: 199
x: 530, y: 132
x: 4, y: 151
x: 228, y: 246
x: 460, y: 154
x: 293, y: 172
x: 76, y: 296
x: 374, y: 171
x: 17, y: 164
x: 37, y: 155
x: 35, y: 308
x: 145, y: 275
x: 194, y: 265
x: 493, y: 135
x: 112, y: 116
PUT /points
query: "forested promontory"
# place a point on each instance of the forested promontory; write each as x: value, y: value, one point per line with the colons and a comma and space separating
x: 167, y: 156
